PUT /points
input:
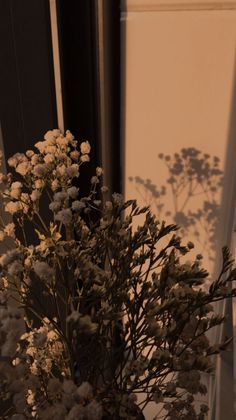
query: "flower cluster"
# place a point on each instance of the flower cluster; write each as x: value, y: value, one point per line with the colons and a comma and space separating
x: 96, y: 312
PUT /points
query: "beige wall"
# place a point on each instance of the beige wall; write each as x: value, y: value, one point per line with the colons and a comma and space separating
x: 179, y: 78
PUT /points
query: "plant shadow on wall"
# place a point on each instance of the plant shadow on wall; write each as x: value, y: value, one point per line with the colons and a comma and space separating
x: 194, y: 184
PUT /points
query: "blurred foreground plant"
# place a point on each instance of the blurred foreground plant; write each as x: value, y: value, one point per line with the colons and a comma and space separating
x: 98, y: 317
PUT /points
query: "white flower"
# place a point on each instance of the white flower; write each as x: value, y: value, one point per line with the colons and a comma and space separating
x: 85, y: 147
x: 54, y: 184
x: 69, y: 135
x: 60, y: 196
x: 35, y: 159
x: 10, y: 229
x: 78, y: 205
x: 34, y: 367
x: 2, y: 235
x: 13, y: 207
x: 16, y: 185
x: 15, y: 159
x: 56, y: 132
x: 104, y: 189
x: 72, y: 192
x: 43, y: 270
x: 47, y: 365
x: 30, y: 397
x: 39, y: 183
x: 73, y: 170
x: 94, y: 180
x: 55, y: 206
x: 23, y: 168
x: 40, y: 146
x: 50, y: 149
x: 61, y: 170
x: 24, y: 202
x: 84, y: 158
x: 40, y: 170
x: 29, y: 153
x: 74, y: 155
x: 85, y: 390
x: 35, y: 195
x: 49, y: 158
x: 51, y: 134
x: 99, y: 171
x: 64, y: 216
x: 52, y: 335
x: 15, y: 268
x: 15, y: 189
x: 62, y: 141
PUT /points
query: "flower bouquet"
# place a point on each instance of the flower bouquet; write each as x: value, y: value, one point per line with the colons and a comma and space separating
x: 99, y: 316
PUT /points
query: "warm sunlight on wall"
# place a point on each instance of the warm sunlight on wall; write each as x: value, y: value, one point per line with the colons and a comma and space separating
x: 179, y: 78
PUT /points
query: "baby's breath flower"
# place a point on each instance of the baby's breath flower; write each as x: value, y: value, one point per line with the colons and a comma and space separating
x: 55, y: 185
x: 49, y: 158
x: 62, y: 141
x: 23, y: 168
x: 2, y: 235
x: 78, y: 205
x: 61, y: 170
x: 69, y: 135
x: 55, y: 206
x: 35, y: 159
x: 40, y: 170
x: 35, y: 195
x: 29, y: 153
x: 50, y: 149
x: 94, y: 180
x: 13, y: 207
x: 84, y: 158
x: 43, y: 270
x: 104, y: 189
x: 56, y: 132
x: 74, y: 155
x: 40, y: 145
x: 10, y: 229
x: 39, y: 183
x: 64, y: 216
x: 60, y: 196
x: 15, y: 190
x: 50, y: 135
x: 85, y: 147
x: 72, y: 192
x: 99, y: 171
x: 73, y: 170
x: 14, y: 160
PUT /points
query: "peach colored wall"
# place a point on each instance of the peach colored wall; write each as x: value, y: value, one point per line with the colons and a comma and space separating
x: 179, y: 78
